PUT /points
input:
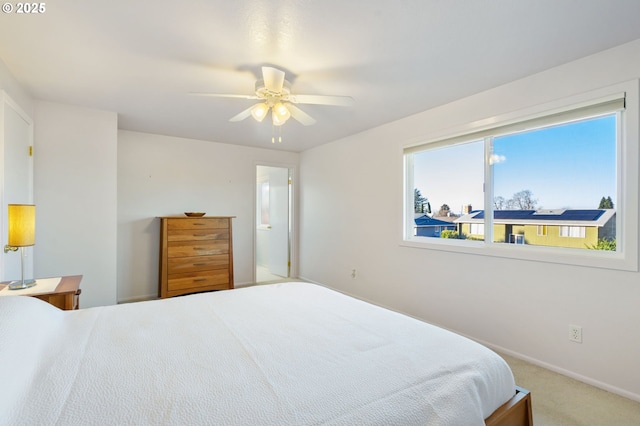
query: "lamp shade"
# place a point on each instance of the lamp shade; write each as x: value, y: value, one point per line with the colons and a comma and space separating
x: 259, y: 111
x: 22, y: 225
x: 280, y: 114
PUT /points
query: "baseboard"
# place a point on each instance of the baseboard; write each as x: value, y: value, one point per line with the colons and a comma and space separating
x: 579, y: 377
x: 138, y: 299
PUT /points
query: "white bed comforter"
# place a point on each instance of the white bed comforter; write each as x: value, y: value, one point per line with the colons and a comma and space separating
x: 284, y: 354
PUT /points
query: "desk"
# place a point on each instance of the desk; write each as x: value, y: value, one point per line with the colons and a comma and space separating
x: 66, y: 295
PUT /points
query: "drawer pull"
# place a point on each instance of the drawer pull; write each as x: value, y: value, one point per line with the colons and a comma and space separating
x: 199, y: 279
x: 199, y: 235
x: 199, y: 264
x: 199, y: 224
x: 200, y: 248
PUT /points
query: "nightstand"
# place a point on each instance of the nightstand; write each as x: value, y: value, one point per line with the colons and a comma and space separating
x: 65, y: 295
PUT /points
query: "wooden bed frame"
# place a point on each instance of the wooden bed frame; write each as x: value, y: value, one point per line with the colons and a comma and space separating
x: 515, y: 412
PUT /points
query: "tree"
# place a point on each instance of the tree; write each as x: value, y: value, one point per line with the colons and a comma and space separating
x: 444, y: 210
x: 499, y: 203
x: 606, y: 203
x: 522, y: 200
x: 419, y: 202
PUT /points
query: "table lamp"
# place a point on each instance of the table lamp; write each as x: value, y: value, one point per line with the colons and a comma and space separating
x: 21, y: 233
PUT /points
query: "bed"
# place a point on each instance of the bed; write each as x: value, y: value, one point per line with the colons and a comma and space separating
x: 280, y: 354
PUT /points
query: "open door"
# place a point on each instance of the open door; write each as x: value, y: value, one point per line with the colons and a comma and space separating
x: 273, y: 223
x: 16, y: 179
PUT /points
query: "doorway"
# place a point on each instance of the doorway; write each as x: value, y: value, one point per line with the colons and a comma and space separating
x: 273, y: 223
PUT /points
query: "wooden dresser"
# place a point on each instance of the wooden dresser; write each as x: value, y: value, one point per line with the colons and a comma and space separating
x: 196, y: 254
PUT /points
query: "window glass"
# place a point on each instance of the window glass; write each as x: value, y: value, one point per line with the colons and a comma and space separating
x: 548, y: 184
x: 558, y: 177
x: 448, y: 184
x: 542, y: 230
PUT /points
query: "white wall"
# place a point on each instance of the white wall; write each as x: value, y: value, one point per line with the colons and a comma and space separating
x: 75, y: 191
x: 521, y: 307
x: 9, y: 84
x: 162, y: 175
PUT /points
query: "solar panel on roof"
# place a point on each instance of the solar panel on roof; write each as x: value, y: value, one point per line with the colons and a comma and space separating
x: 568, y: 215
x: 590, y: 215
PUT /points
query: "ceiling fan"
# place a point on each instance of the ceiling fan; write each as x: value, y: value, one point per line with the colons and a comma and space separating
x: 274, y: 93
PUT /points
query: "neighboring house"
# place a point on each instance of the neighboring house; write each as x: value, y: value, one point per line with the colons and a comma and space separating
x: 556, y: 227
x: 427, y: 226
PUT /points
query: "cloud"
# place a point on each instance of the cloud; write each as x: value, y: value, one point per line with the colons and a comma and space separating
x: 496, y: 159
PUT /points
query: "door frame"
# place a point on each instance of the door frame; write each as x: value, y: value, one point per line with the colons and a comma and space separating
x: 7, y: 101
x: 293, y: 208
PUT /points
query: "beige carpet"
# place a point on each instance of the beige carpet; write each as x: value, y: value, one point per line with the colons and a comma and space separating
x: 562, y: 401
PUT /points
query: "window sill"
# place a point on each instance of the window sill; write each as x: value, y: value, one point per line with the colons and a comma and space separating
x: 543, y: 254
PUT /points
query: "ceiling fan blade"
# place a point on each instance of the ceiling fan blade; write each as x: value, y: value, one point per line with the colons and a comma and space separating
x: 244, y: 114
x: 300, y: 115
x: 273, y: 79
x: 322, y: 100
x: 223, y: 95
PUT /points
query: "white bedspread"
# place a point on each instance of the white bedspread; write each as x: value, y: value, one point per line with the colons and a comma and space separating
x: 283, y: 354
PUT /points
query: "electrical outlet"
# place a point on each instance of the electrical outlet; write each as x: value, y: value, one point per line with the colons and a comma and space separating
x: 575, y: 333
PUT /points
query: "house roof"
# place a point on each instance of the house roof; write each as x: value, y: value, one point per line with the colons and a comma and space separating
x: 577, y: 217
x: 424, y: 221
x: 449, y: 219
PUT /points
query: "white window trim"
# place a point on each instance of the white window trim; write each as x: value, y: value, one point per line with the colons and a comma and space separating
x: 572, y: 229
x: 626, y: 256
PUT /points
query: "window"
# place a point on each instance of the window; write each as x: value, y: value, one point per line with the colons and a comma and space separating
x: 537, y: 181
x: 476, y: 228
x: 573, y: 231
x: 516, y: 239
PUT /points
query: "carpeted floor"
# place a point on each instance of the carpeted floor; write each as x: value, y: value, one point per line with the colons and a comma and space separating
x: 561, y: 401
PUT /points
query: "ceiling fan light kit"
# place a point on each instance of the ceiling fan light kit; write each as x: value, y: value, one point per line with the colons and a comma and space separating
x: 280, y: 114
x: 259, y: 111
x: 274, y: 93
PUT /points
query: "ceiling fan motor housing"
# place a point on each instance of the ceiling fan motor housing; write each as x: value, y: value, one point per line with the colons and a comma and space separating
x: 270, y: 96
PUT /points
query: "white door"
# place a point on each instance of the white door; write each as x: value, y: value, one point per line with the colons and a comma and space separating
x: 16, y: 179
x: 279, y: 221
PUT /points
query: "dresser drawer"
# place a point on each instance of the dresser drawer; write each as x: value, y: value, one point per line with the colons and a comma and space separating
x: 197, y: 263
x: 211, y: 280
x: 202, y: 223
x: 198, y: 234
x: 197, y: 248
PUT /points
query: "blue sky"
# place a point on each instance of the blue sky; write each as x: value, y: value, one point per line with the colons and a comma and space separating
x: 569, y: 166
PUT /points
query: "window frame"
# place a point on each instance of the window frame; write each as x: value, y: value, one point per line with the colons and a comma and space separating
x: 542, y: 230
x: 571, y: 230
x: 627, y: 161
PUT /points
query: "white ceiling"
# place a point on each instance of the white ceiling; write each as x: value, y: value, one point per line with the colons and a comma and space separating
x: 394, y: 57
